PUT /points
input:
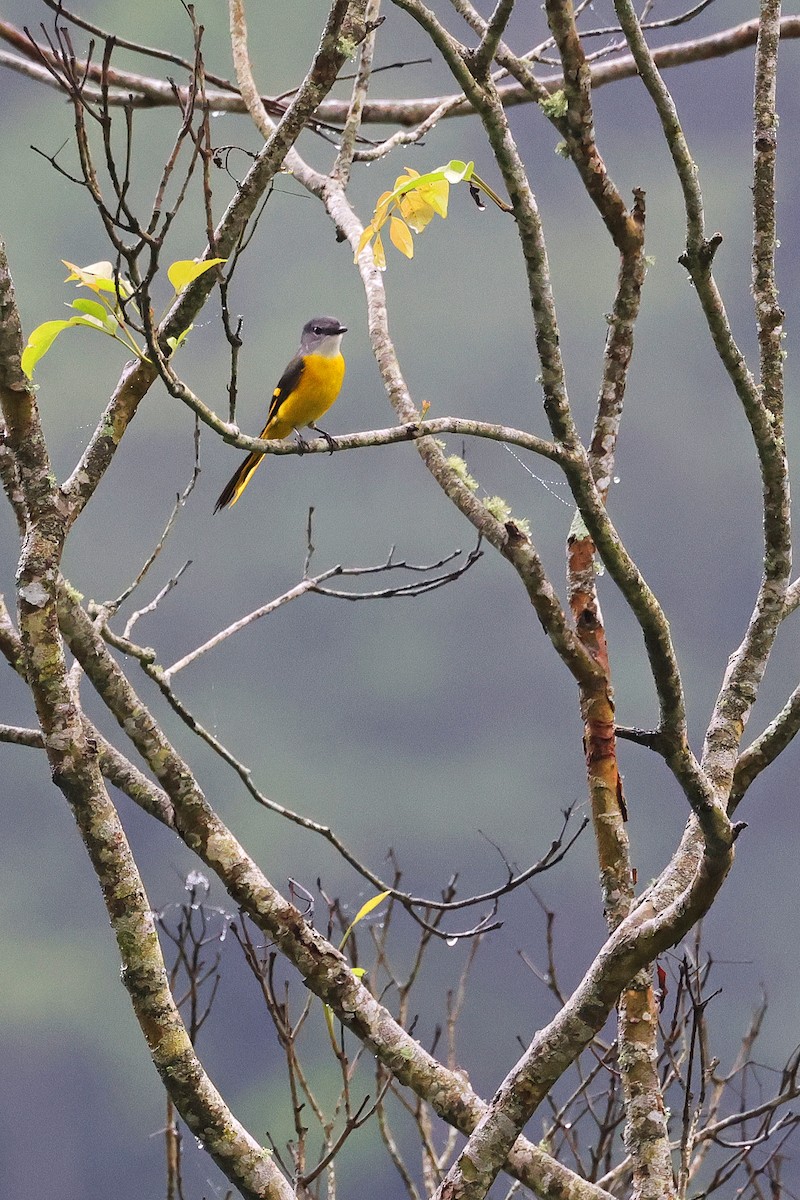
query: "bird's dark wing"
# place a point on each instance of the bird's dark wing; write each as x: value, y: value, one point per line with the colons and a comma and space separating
x: 286, y: 385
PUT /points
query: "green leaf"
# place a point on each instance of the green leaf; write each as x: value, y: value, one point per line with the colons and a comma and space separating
x: 39, y: 342
x: 93, y: 307
x: 42, y: 338
x: 175, y: 342
x: 326, y: 1008
x: 98, y: 312
x: 186, y: 270
x: 456, y: 170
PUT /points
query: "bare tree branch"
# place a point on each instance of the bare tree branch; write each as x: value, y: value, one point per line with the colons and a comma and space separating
x: 149, y: 92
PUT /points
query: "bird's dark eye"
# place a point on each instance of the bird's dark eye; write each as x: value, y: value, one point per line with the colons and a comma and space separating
x: 318, y: 329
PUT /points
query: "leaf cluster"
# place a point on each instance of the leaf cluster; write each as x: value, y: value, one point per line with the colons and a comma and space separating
x: 413, y: 203
x: 107, y: 314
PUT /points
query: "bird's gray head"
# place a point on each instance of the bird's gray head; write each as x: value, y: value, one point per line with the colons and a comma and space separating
x: 322, y: 335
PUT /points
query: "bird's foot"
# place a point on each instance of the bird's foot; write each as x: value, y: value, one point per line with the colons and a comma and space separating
x: 331, y: 441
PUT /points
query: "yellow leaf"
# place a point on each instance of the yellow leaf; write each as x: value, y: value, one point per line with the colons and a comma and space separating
x: 364, y: 240
x: 410, y: 171
x: 436, y: 194
x: 367, y: 908
x: 98, y: 276
x: 401, y: 237
x: 363, y: 912
x: 381, y: 210
x: 379, y: 253
x: 416, y: 210
x: 186, y: 270
x: 103, y: 270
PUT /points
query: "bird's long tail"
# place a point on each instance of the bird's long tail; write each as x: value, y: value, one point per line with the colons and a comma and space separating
x: 238, y: 482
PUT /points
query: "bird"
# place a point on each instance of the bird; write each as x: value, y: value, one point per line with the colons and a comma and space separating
x: 305, y: 391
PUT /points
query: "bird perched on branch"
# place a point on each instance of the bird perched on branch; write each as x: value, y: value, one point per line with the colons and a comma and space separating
x: 306, y: 390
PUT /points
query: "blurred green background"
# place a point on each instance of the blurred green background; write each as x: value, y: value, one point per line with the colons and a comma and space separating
x: 420, y: 726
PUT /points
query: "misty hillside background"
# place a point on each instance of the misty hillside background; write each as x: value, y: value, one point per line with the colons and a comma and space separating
x: 418, y: 725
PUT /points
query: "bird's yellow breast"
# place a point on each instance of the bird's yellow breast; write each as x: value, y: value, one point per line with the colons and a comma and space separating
x: 314, y: 393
